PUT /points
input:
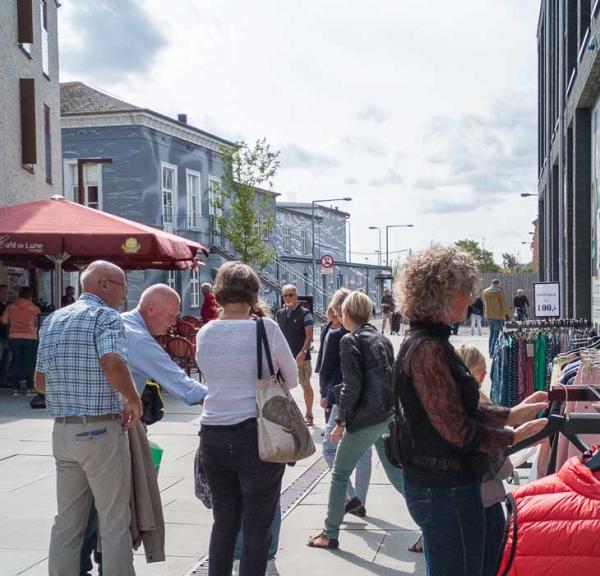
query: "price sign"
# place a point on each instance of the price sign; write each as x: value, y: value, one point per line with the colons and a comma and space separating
x: 546, y: 300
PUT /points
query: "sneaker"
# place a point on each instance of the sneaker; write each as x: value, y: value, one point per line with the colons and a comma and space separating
x: 352, y: 505
x: 236, y: 568
x: 16, y: 392
x: 272, y: 569
x: 31, y: 392
x: 360, y: 512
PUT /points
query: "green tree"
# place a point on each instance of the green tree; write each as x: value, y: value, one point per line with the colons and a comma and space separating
x: 484, y: 258
x: 510, y: 262
x: 244, y: 211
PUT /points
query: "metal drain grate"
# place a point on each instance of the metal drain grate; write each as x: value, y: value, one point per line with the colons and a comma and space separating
x: 291, y: 496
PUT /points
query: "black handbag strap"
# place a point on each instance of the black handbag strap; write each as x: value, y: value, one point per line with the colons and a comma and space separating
x: 511, y: 507
x: 262, y: 343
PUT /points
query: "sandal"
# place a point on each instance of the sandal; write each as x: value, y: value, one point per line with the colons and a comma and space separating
x: 309, y: 420
x: 323, y: 541
x: 417, y: 546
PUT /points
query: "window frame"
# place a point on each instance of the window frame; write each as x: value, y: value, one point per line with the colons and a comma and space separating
x: 286, y: 235
x: 48, y: 143
x: 171, y: 225
x: 70, y: 183
x: 172, y: 279
x: 197, y: 216
x: 303, y: 241
x: 194, y: 288
x: 44, y: 37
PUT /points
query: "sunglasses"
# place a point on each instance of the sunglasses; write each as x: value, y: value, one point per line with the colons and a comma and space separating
x: 291, y: 295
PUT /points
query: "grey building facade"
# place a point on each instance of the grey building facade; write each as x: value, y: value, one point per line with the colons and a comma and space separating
x: 569, y: 152
x: 30, y: 148
x: 146, y: 167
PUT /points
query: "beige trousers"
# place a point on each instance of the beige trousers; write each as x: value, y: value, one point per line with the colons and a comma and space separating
x: 92, y: 462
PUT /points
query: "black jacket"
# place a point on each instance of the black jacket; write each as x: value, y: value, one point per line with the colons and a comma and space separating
x: 324, y: 331
x: 330, y: 369
x: 366, y: 396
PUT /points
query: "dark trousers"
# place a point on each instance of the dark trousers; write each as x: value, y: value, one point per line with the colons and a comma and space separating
x: 495, y: 523
x: 24, y: 352
x: 453, y: 524
x: 4, y: 362
x: 239, y: 481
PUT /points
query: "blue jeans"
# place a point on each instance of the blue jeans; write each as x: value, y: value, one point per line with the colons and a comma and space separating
x: 351, y: 448
x: 453, y: 524
x: 495, y: 524
x: 495, y: 330
x: 362, y: 474
x: 275, y: 530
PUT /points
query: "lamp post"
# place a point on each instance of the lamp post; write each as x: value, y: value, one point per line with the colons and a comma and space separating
x: 527, y: 194
x: 378, y: 251
x: 387, y: 230
x: 312, y: 207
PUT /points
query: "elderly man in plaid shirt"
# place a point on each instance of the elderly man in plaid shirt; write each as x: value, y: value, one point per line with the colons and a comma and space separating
x: 82, y: 369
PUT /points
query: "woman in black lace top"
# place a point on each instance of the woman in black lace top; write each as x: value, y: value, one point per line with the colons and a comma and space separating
x: 449, y: 439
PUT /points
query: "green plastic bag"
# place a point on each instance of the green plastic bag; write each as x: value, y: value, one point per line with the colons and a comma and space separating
x: 157, y: 454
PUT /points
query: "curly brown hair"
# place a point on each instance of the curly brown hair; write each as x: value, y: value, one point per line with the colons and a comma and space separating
x: 431, y: 279
x: 236, y: 283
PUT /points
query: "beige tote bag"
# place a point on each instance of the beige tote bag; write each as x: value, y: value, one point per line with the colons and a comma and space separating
x: 282, y: 432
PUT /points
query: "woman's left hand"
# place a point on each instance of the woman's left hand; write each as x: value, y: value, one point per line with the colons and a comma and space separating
x: 337, y: 433
x: 528, y: 409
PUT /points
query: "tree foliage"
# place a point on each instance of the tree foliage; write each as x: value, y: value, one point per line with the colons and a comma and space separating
x: 510, y: 263
x: 483, y: 258
x: 244, y: 211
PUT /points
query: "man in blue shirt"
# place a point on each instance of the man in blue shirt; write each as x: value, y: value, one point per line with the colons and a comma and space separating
x: 156, y: 312
x: 82, y: 369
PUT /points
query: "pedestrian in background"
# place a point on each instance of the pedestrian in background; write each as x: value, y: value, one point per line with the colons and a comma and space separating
x: 210, y: 309
x: 4, y: 348
x: 296, y: 323
x: 496, y: 312
x: 245, y: 489
x: 520, y: 305
x: 476, y: 312
x: 22, y: 319
x: 68, y: 297
x: 82, y: 370
x: 447, y: 435
x: 366, y: 405
x: 388, y: 305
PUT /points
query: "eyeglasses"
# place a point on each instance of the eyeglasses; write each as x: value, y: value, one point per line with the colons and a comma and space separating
x: 123, y: 286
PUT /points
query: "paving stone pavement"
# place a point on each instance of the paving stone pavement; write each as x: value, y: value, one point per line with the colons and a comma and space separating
x: 376, y: 544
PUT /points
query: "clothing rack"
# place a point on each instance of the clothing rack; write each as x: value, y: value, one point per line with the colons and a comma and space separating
x: 579, y: 323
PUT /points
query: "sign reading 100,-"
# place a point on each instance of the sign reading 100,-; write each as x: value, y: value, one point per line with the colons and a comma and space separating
x: 547, y: 299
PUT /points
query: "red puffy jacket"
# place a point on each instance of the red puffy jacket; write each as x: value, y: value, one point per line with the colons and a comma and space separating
x: 558, y: 525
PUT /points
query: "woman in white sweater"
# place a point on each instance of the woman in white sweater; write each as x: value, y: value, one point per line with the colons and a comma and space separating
x: 238, y: 478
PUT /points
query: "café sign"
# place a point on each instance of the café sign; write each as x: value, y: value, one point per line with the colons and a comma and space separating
x: 6, y: 243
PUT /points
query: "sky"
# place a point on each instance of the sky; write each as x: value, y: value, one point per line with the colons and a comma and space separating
x: 423, y: 113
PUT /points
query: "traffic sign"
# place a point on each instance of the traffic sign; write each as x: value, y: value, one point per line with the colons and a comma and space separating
x: 327, y: 261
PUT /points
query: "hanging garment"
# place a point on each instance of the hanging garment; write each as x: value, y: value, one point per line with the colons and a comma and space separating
x: 557, y: 525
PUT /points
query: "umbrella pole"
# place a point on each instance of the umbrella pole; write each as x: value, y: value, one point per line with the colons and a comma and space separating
x: 58, y: 279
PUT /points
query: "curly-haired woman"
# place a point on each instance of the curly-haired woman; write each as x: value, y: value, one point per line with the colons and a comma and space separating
x: 448, y: 437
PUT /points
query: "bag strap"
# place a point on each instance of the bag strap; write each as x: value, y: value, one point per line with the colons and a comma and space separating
x: 511, y: 507
x: 262, y: 342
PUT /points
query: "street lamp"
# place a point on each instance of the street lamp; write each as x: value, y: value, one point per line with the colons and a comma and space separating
x: 387, y: 229
x: 527, y: 194
x: 378, y: 251
x: 312, y: 207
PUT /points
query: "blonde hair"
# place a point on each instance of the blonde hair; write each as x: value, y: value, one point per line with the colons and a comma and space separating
x: 430, y: 280
x: 358, y: 307
x: 474, y: 360
x: 337, y: 300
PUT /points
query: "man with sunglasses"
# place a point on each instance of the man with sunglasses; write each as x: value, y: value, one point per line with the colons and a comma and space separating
x: 296, y: 323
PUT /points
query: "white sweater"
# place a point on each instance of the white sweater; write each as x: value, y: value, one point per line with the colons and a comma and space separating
x: 227, y: 357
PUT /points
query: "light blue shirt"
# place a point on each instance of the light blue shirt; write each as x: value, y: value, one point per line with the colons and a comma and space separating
x: 147, y: 359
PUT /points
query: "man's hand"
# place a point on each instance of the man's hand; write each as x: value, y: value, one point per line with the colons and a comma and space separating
x: 527, y: 410
x: 300, y: 358
x: 324, y: 403
x: 132, y: 412
x: 337, y: 433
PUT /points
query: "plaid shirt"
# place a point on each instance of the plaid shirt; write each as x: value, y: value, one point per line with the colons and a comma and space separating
x: 72, y: 341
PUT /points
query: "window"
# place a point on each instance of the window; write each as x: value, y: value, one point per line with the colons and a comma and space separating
x: 44, y: 26
x: 287, y: 239
x: 48, y: 144
x: 28, y: 136
x: 303, y: 242
x: 265, y: 232
x: 193, y: 199
x: 215, y: 211
x: 25, y: 24
x: 171, y: 283
x: 195, y: 289
x: 169, y: 195
x: 92, y: 184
